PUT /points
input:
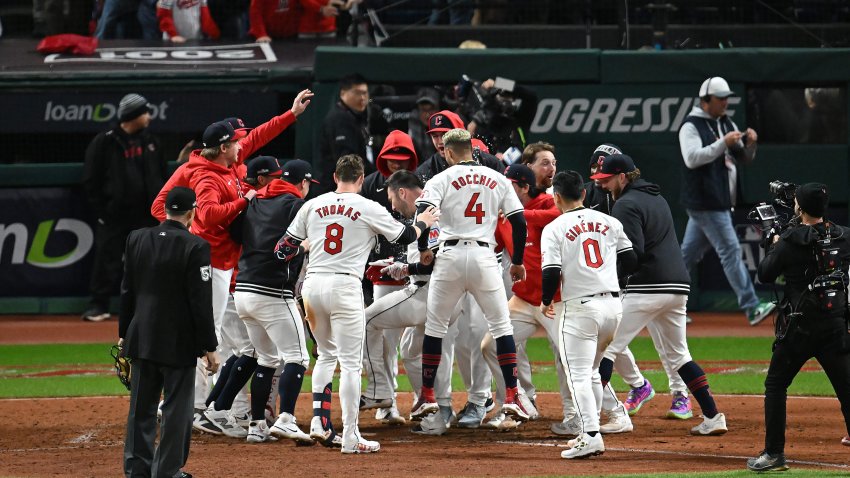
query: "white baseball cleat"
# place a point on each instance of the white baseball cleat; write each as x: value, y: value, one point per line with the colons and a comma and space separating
x: 286, y: 426
x: 711, y: 426
x: 367, y: 403
x: 528, y: 406
x: 422, y: 408
x: 224, y: 421
x: 325, y: 437
x: 362, y: 445
x: 615, y: 421
x: 258, y: 432
x: 515, y: 411
x: 585, y: 446
x: 390, y: 416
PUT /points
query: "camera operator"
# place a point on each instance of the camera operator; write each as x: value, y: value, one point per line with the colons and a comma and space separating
x: 500, y: 112
x: 813, y: 257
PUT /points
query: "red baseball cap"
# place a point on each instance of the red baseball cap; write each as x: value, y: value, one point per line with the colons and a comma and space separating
x: 443, y: 121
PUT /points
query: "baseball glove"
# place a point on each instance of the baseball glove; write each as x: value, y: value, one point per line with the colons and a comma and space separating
x: 122, y: 365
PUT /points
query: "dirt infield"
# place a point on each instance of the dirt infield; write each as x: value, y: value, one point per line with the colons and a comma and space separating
x: 83, y: 437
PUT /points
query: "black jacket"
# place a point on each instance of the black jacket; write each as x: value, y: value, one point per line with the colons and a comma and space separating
x: 265, y: 222
x: 343, y: 132
x: 648, y: 223
x: 437, y: 164
x: 166, y: 296
x: 123, y: 175
x: 597, y: 198
x: 793, y: 257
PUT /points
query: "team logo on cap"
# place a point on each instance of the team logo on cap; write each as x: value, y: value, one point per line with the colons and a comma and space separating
x: 240, y: 122
x: 438, y: 120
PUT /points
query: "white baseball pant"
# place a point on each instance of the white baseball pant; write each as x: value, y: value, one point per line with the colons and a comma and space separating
x: 474, y: 371
x: 667, y: 313
x: 467, y: 267
x: 275, y: 328
x: 220, y: 293
x: 411, y: 356
x: 586, y: 327
x: 399, y: 309
x: 392, y: 337
x: 333, y: 304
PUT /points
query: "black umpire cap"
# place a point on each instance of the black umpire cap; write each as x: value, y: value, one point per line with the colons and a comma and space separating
x: 180, y: 200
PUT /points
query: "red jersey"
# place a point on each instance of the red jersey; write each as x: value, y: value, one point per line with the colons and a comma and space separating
x: 312, y: 20
x: 539, y: 212
x: 273, y: 18
x: 256, y: 139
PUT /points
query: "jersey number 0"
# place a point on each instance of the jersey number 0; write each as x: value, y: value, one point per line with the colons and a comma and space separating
x: 333, y: 238
x: 592, y: 254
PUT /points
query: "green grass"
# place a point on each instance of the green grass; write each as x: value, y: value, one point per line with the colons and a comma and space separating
x: 712, y: 352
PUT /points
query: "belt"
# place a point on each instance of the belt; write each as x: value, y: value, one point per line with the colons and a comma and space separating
x: 346, y: 274
x: 454, y: 242
x: 420, y: 283
x: 604, y: 294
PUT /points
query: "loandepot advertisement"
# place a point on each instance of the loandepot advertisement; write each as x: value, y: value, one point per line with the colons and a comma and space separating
x: 46, y: 242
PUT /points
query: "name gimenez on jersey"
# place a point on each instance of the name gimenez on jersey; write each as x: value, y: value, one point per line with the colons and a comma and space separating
x: 471, y: 179
x: 338, y: 209
x: 584, y: 227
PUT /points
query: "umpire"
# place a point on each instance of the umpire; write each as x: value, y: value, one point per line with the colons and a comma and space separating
x: 166, y: 323
x: 813, y: 257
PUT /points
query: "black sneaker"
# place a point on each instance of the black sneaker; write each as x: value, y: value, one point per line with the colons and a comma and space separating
x: 767, y: 462
x: 95, y: 314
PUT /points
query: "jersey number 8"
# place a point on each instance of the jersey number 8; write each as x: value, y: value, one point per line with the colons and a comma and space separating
x: 333, y: 238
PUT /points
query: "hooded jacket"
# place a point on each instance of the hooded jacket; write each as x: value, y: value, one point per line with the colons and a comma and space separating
x: 648, y: 223
x: 597, y: 198
x: 539, y: 212
x: 256, y: 139
x: 266, y: 219
x: 397, y: 142
x: 793, y: 256
x: 219, y: 193
x: 708, y: 183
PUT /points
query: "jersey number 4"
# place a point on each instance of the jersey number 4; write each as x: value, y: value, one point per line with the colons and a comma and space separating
x: 333, y: 238
x: 592, y: 254
x: 475, y: 209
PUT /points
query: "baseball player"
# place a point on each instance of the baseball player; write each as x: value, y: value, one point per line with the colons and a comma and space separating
x: 403, y: 308
x: 658, y: 292
x: 265, y: 297
x: 472, y: 196
x: 341, y: 228
x: 582, y: 252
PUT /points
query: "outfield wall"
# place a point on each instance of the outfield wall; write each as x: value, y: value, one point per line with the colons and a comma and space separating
x: 585, y: 97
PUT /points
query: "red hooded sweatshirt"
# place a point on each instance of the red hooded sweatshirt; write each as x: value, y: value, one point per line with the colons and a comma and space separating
x: 539, y: 212
x: 397, y: 147
x: 256, y: 139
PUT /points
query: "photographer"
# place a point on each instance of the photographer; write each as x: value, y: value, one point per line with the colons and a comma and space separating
x: 813, y: 257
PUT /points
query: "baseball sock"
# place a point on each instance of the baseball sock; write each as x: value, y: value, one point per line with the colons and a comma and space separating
x: 224, y: 372
x: 506, y: 353
x: 432, y: 350
x: 289, y: 386
x: 240, y: 373
x: 695, y: 379
x: 261, y: 388
x: 322, y: 406
x: 606, y: 369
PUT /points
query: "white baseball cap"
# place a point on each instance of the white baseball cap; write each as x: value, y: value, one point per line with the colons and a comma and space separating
x: 715, y: 86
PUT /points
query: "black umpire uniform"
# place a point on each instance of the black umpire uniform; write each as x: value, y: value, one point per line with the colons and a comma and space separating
x: 166, y: 323
x: 812, y: 323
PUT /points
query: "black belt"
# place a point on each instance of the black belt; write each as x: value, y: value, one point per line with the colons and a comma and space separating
x: 454, y: 242
x: 603, y: 294
x: 346, y: 274
x: 420, y: 283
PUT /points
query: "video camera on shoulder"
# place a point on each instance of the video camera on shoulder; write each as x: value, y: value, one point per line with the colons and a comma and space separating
x: 493, y: 110
x: 777, y: 216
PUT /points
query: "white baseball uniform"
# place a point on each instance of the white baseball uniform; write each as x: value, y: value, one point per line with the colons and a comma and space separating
x: 584, y: 244
x: 469, y: 197
x: 342, y: 228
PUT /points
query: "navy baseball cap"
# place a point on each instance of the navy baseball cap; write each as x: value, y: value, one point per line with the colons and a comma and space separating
x: 221, y: 132
x: 613, y: 165
x: 602, y: 151
x: 521, y: 174
x: 237, y: 124
x: 297, y: 170
x: 263, y: 166
x: 180, y: 200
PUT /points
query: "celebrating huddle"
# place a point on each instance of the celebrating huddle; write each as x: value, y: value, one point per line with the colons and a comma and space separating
x: 485, y: 257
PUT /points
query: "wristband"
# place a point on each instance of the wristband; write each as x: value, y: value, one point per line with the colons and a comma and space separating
x: 421, y: 225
